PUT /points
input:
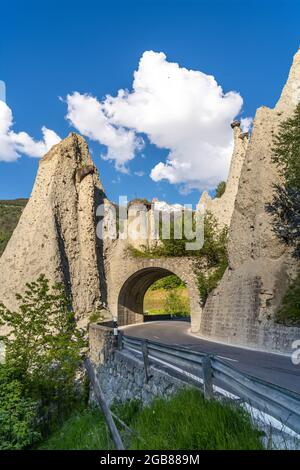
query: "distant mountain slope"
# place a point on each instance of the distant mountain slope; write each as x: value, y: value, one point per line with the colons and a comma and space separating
x: 10, y: 212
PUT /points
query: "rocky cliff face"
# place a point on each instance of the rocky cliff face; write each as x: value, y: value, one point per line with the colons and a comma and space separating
x: 222, y: 208
x: 56, y: 234
x: 242, y: 309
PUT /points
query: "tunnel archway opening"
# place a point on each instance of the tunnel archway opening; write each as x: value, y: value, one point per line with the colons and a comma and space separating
x: 131, y: 297
x: 167, y: 299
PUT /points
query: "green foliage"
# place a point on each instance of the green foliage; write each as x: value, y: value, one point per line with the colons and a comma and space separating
x: 83, y: 430
x: 207, y: 282
x: 44, y: 348
x: 285, y: 206
x: 289, y: 312
x: 175, y: 305
x: 4, y: 238
x: 188, y: 422
x: 211, y: 260
x: 10, y: 212
x: 213, y: 249
x: 168, y: 282
x: 95, y: 317
x: 17, y: 413
x: 214, y: 252
x: 220, y: 189
x: 185, y: 421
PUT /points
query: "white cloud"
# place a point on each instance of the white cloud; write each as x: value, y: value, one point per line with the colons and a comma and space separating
x: 184, y: 111
x: 14, y: 144
x: 86, y: 113
x: 246, y: 124
x: 139, y: 173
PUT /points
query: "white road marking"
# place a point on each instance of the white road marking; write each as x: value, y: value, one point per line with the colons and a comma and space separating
x: 228, y: 358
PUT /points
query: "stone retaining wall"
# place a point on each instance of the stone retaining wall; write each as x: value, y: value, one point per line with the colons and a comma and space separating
x: 121, y: 375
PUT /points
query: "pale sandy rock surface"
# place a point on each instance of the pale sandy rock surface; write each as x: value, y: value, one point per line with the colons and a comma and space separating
x: 56, y: 234
x: 222, y: 208
x: 242, y: 308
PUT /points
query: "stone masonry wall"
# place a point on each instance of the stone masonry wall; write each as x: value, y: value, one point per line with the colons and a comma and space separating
x: 122, y: 375
x: 240, y: 319
x: 124, y: 272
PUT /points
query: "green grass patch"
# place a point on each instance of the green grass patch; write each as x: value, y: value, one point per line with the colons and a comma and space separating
x: 84, y: 430
x: 189, y: 422
x: 167, y: 301
x: 183, y: 422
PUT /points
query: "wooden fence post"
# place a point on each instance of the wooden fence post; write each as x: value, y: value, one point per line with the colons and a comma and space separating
x: 120, y: 340
x: 146, y: 360
x: 207, y: 378
x: 105, y: 408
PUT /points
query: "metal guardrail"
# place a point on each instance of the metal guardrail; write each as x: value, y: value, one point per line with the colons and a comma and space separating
x: 208, y: 370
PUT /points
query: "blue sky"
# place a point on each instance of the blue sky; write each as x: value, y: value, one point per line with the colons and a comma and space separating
x: 51, y: 49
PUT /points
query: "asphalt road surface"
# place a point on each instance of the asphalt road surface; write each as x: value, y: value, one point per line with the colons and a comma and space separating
x: 274, y: 368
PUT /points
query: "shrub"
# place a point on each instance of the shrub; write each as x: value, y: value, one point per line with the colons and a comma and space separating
x: 17, y: 413
x: 44, y: 348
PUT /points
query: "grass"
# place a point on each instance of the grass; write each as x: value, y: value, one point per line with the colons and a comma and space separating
x: 10, y: 212
x: 184, y: 422
x: 155, y: 300
x: 188, y: 422
x: 84, y: 430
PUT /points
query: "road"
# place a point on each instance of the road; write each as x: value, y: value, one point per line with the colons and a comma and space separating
x: 274, y: 368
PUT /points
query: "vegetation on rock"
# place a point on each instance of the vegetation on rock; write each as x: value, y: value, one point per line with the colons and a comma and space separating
x: 10, y: 212
x: 289, y: 312
x: 285, y: 207
x: 211, y: 260
x: 220, y: 189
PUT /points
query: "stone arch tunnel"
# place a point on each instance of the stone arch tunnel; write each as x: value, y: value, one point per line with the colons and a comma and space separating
x: 131, y: 278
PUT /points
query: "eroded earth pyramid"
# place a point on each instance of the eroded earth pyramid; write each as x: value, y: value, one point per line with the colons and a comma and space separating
x: 242, y: 309
x: 56, y: 234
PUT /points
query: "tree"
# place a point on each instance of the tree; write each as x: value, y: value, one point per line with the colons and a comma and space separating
x: 44, y: 346
x: 285, y: 207
x: 175, y: 305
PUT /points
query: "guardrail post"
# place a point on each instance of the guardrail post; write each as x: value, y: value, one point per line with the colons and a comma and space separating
x: 120, y: 340
x: 207, y: 378
x: 146, y: 360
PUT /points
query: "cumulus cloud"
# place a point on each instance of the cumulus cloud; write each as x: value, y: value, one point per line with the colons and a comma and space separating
x: 14, y: 144
x: 87, y: 115
x: 246, y: 124
x: 184, y: 111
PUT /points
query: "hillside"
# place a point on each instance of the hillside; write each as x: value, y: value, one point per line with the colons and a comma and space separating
x: 10, y: 212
